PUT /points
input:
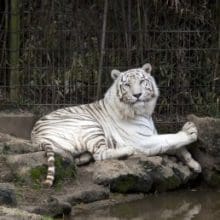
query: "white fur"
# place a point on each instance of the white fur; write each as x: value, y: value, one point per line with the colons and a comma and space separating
x: 126, y: 110
x: 154, y: 144
x: 123, y: 120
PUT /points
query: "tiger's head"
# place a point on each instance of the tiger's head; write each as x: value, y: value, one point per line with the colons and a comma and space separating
x: 134, y: 92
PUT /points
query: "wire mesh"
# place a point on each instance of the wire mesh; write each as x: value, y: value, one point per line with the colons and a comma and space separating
x: 59, y: 52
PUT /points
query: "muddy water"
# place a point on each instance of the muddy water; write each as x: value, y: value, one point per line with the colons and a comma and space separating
x: 181, y: 205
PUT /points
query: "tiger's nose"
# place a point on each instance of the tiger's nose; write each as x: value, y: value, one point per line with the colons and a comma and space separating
x: 137, y: 95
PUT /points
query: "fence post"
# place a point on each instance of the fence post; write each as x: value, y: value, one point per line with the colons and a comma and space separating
x: 102, y: 53
x: 14, y: 43
x: 216, y: 76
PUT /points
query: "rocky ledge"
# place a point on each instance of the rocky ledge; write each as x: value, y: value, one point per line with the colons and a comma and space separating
x: 23, y: 169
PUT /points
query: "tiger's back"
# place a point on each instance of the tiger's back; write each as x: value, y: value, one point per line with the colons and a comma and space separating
x: 72, y: 130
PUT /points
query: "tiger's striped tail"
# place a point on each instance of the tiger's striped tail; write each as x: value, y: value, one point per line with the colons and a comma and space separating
x: 51, y: 166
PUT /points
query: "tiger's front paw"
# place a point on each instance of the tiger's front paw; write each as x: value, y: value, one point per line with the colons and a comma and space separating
x: 190, y: 129
x: 129, y: 150
x: 195, y: 166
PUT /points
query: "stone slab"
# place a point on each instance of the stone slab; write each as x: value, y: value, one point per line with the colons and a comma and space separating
x: 17, y: 124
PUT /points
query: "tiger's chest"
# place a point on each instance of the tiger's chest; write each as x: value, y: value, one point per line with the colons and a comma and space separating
x: 132, y: 132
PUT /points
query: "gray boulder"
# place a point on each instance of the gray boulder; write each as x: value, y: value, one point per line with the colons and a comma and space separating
x: 13, y: 145
x: 85, y: 193
x: 207, y: 149
x: 52, y: 207
x: 18, y: 214
x: 142, y: 174
x: 7, y: 194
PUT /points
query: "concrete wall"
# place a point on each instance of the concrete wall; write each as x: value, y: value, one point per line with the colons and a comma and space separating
x: 17, y: 124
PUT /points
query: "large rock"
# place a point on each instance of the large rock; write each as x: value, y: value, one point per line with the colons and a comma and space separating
x: 122, y: 176
x: 11, y: 122
x: 142, y: 174
x: 7, y: 194
x: 6, y: 174
x: 85, y: 193
x: 11, y: 145
x: 31, y: 168
x: 207, y: 149
x: 18, y: 214
x: 52, y: 207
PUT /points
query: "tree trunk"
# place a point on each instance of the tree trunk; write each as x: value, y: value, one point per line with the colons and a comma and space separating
x: 99, y: 88
x: 14, y: 43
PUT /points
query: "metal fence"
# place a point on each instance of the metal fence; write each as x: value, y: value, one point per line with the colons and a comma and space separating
x: 59, y: 53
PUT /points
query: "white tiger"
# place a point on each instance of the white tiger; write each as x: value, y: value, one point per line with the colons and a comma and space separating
x: 116, y: 126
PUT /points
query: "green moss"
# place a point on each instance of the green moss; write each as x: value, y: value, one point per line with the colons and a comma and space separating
x: 123, y: 184
x: 63, y: 170
x: 214, y: 180
x: 37, y: 175
x: 161, y: 183
x: 131, y: 184
x: 169, y: 183
x: 6, y: 148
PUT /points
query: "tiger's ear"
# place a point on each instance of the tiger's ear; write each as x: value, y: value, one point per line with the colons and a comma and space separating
x: 115, y: 74
x: 147, y: 67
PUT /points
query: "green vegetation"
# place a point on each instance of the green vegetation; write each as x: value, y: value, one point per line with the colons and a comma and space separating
x: 38, y: 174
x: 14, y: 45
x: 214, y: 179
x: 124, y: 184
x: 168, y: 183
x: 59, y: 57
x: 65, y: 170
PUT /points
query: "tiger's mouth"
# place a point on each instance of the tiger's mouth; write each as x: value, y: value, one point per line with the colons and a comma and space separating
x: 148, y: 99
x: 138, y: 101
x: 131, y: 101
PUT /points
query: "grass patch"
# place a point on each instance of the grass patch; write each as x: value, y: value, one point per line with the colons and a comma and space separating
x: 64, y: 170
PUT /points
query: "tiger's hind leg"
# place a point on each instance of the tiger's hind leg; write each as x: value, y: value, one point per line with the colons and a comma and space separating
x: 99, y: 147
x: 186, y: 157
x: 106, y: 153
x: 51, y: 166
x: 84, y: 159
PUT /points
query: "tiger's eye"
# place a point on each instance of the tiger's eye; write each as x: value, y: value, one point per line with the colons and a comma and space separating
x: 142, y: 81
